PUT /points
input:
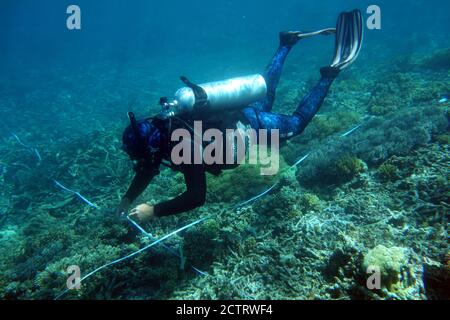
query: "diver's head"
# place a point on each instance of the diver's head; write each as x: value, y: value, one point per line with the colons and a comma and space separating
x: 141, y: 140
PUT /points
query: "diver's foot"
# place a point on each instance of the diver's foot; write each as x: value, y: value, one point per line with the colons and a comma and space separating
x: 330, y: 72
x: 290, y: 38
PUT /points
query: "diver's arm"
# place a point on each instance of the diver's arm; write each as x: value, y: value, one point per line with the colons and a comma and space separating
x: 140, y: 182
x: 193, y: 197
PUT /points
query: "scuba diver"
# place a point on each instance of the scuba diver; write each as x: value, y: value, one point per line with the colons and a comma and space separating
x: 148, y: 142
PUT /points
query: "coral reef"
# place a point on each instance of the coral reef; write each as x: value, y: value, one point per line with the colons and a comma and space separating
x: 390, y: 262
x: 226, y: 189
x: 377, y: 195
x: 375, y: 142
x: 400, y: 278
x: 388, y: 172
x: 437, y: 61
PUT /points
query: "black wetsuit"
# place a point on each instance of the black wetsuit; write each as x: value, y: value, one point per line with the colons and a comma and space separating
x: 194, y: 174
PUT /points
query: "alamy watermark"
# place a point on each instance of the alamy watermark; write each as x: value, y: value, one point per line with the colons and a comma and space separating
x: 234, y: 146
x: 74, y: 280
x: 73, y: 21
x: 374, y: 280
x: 374, y: 20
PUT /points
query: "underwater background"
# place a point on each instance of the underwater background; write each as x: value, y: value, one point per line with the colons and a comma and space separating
x: 378, y: 195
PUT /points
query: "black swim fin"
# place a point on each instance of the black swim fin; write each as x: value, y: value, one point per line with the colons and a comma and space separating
x: 349, y: 38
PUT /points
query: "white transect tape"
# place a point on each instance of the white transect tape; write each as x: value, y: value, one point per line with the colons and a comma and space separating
x: 151, y: 237
x: 77, y: 194
x: 33, y: 149
x: 133, y: 254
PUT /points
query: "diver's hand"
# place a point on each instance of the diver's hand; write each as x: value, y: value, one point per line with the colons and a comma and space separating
x: 142, y: 213
x: 123, y: 207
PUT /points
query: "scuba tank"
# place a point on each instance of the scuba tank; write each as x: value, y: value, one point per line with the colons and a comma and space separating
x: 231, y: 94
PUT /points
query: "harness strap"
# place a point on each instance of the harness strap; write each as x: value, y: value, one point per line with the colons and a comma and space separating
x: 201, y: 97
x: 258, y: 120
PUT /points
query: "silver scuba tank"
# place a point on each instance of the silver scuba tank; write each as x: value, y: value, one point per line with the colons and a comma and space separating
x: 228, y: 94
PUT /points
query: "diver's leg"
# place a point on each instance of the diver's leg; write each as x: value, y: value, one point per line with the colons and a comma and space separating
x: 293, y: 125
x: 349, y: 36
x: 310, y: 104
x: 272, y: 74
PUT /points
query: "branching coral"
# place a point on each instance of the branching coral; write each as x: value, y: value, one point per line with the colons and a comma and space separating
x: 375, y: 142
x: 294, y: 242
x: 388, y: 172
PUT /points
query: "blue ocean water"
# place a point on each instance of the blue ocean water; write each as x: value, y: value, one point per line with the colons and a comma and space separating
x: 64, y: 95
x: 155, y: 42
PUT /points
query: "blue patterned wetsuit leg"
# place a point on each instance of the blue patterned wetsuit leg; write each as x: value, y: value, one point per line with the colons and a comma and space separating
x: 272, y: 76
x: 259, y: 115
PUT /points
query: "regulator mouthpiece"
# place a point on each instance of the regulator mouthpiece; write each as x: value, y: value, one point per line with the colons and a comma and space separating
x: 168, y: 108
